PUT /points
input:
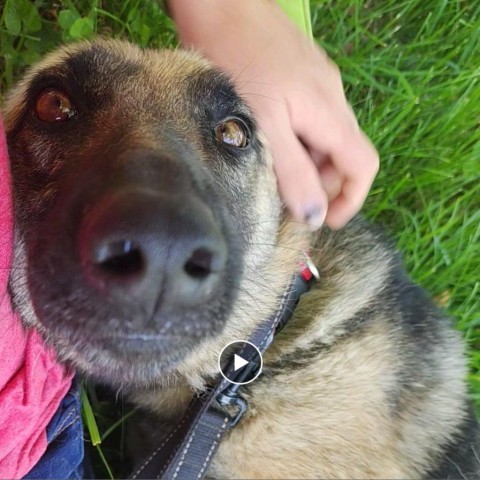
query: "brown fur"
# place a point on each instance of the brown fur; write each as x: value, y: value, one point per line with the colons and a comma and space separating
x: 361, y: 384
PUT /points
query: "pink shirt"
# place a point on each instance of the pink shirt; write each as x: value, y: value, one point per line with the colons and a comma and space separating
x: 32, y: 382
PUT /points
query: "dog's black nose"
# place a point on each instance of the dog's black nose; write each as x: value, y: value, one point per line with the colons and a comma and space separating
x: 148, y: 250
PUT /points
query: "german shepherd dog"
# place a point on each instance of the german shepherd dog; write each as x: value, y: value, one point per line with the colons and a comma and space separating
x: 149, y: 234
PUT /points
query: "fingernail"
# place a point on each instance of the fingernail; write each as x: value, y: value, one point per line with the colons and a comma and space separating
x: 314, y: 216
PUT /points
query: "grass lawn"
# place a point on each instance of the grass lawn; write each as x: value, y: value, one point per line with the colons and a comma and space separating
x: 412, y: 73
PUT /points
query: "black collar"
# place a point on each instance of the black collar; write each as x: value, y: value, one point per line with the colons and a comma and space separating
x: 188, y: 449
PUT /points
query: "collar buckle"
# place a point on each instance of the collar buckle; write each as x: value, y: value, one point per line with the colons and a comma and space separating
x: 233, y: 398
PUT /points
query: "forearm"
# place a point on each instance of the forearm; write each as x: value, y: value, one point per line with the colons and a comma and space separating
x: 230, y: 32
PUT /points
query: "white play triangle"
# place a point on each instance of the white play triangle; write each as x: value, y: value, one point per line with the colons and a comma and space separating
x: 238, y: 362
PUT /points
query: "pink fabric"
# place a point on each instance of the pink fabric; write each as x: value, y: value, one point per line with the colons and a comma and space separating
x: 32, y: 383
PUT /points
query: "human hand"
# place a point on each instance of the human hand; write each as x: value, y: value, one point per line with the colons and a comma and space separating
x: 324, y: 163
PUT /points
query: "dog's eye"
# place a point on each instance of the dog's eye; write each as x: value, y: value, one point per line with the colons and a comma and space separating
x: 53, y: 106
x: 233, y: 133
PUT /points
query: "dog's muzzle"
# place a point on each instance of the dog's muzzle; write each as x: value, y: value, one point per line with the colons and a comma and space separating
x: 148, y: 251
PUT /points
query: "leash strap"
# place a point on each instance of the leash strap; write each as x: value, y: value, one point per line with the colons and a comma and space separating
x: 188, y: 449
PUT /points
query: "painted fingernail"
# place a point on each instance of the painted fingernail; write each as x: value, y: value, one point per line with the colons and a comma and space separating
x: 314, y: 216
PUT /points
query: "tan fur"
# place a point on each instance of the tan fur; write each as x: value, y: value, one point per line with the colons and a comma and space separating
x: 332, y: 417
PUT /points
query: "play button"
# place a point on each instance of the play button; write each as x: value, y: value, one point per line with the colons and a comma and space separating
x: 240, y: 362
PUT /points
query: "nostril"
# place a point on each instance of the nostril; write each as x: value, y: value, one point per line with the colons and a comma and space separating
x: 200, y: 264
x: 122, y: 258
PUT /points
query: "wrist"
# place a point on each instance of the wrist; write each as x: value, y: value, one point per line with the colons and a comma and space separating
x: 200, y: 20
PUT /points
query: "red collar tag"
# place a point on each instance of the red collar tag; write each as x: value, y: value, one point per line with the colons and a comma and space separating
x: 308, y: 270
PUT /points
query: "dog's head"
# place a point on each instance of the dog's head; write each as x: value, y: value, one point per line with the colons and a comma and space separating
x: 145, y: 201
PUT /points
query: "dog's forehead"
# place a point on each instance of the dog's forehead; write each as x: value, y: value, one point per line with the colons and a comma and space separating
x: 115, y: 72
x: 120, y: 66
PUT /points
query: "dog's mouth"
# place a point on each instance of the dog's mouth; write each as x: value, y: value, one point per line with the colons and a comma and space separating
x: 129, y: 361
x: 126, y: 347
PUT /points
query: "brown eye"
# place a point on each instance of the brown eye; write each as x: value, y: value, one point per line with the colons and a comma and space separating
x: 233, y: 133
x: 53, y: 106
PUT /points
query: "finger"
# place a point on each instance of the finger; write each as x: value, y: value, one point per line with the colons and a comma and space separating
x: 297, y: 176
x: 357, y: 181
x: 331, y: 182
x: 350, y: 152
x: 330, y: 178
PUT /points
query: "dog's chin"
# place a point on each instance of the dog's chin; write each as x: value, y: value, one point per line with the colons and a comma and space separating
x: 127, y: 361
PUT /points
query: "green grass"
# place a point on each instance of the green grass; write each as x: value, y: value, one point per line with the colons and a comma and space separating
x: 411, y: 71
